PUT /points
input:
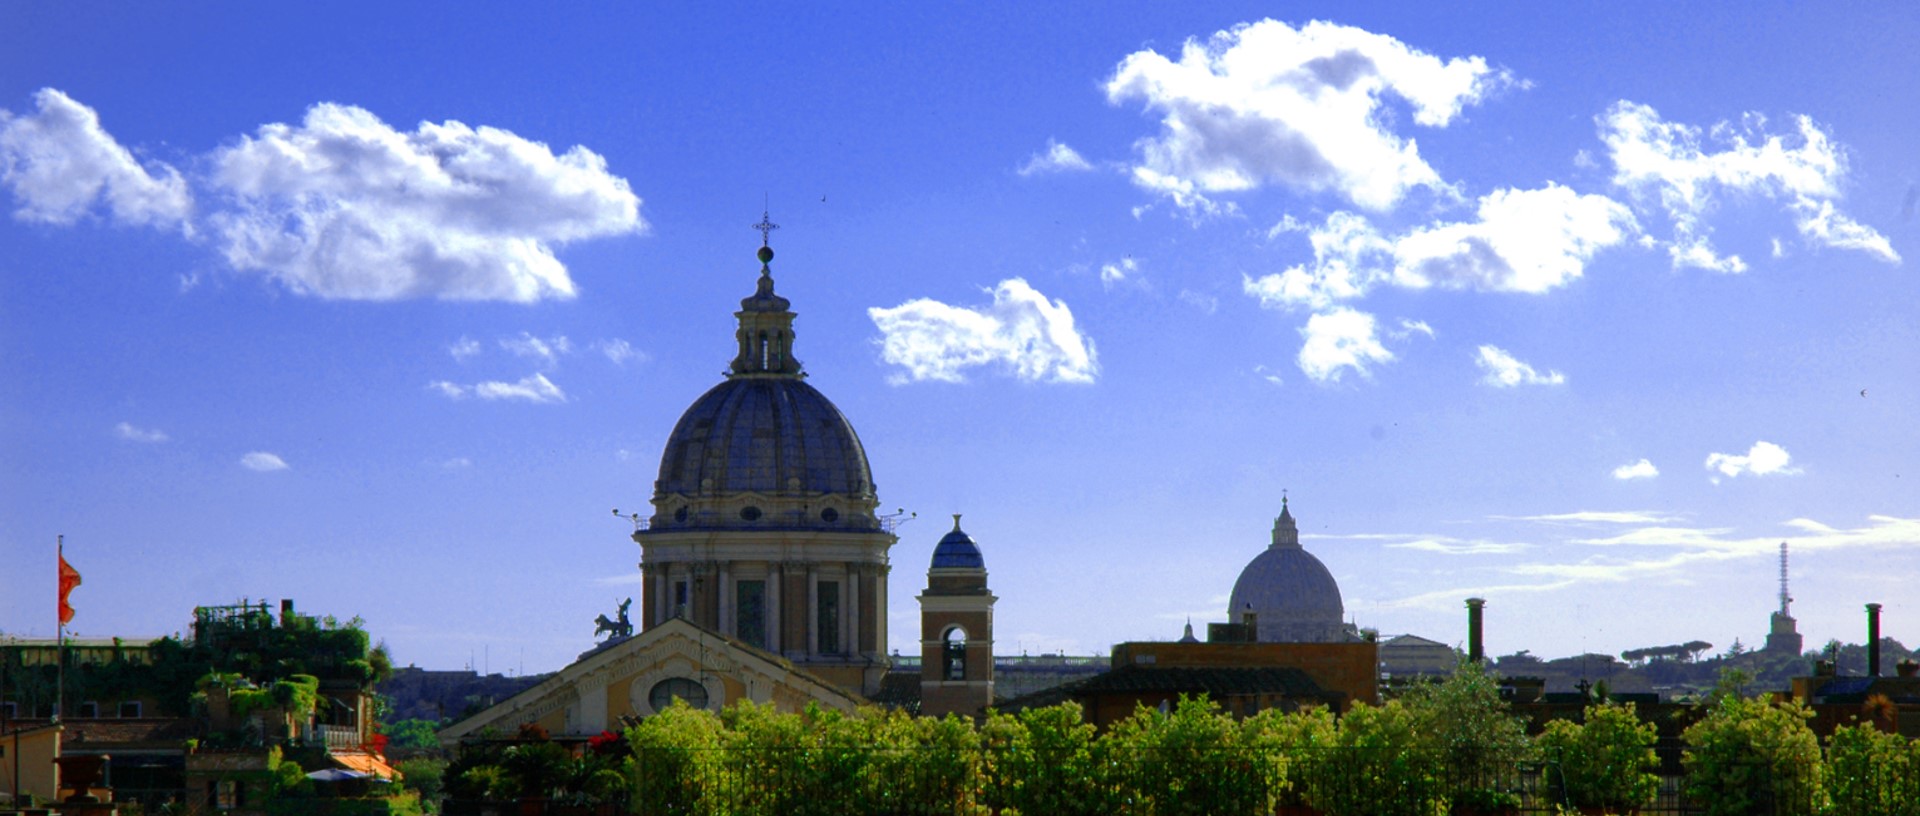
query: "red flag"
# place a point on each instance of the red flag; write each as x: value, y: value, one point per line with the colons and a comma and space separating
x: 69, y: 578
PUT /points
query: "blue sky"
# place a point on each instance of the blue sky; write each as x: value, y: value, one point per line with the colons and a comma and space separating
x: 383, y: 308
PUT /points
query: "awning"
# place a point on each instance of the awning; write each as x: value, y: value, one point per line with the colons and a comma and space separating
x: 369, y: 764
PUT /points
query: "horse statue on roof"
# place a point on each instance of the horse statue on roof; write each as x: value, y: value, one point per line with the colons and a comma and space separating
x: 618, y: 628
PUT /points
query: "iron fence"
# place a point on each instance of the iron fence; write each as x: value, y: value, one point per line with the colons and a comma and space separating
x: 1196, y: 781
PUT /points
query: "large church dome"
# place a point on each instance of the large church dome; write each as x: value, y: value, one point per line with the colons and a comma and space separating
x: 1292, y: 596
x: 764, y: 449
x: 764, y: 436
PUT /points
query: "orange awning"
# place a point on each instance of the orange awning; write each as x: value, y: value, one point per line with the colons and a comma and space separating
x: 369, y: 764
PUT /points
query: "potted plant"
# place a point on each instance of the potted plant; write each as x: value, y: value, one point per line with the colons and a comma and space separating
x: 1606, y: 763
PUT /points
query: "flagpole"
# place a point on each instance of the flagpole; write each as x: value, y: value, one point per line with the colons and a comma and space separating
x: 60, y: 650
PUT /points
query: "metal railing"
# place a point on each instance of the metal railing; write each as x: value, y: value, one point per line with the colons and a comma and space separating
x: 863, y: 781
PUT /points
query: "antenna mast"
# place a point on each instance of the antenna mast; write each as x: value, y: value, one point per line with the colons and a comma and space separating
x: 1785, y: 599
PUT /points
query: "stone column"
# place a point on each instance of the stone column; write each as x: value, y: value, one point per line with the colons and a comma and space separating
x: 813, y: 612
x: 850, y: 622
x: 775, y: 577
x: 725, y: 588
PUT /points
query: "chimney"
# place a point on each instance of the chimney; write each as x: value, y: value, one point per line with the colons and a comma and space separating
x: 1873, y: 640
x: 1475, y: 651
x: 286, y: 612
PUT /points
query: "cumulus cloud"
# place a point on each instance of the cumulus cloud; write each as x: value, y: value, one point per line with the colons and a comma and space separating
x: 1503, y: 370
x: 531, y: 388
x: 1306, y: 108
x: 1763, y: 459
x: 60, y: 164
x: 1527, y: 241
x: 262, y: 462
x: 1642, y: 469
x: 1339, y: 340
x: 1677, y: 164
x: 130, y: 433
x: 1022, y: 332
x: 1057, y: 158
x: 343, y: 206
x: 546, y: 352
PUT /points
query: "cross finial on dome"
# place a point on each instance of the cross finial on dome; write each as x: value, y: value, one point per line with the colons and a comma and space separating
x: 766, y: 227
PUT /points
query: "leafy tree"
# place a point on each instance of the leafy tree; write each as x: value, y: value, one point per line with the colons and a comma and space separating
x: 1607, y: 761
x: 1306, y: 739
x: 1869, y: 771
x: 1466, y: 725
x: 1748, y: 753
x: 1192, y: 761
x: 412, y: 735
x: 1381, y: 767
x: 674, y: 752
x: 425, y: 776
x: 1046, y: 761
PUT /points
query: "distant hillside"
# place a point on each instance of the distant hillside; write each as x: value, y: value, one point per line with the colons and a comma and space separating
x: 426, y: 694
x: 1676, y: 676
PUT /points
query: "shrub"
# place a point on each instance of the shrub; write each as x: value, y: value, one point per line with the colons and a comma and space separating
x: 1873, y: 772
x: 1606, y: 762
x: 426, y: 776
x: 1748, y: 754
x: 1192, y: 762
x: 1381, y: 766
x: 672, y: 754
x: 1046, y: 761
x: 1305, y: 738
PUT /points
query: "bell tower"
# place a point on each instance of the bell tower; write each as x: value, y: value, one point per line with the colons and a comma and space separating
x: 956, y: 630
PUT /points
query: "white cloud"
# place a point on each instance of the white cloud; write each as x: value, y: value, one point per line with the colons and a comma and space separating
x: 1268, y: 374
x: 1530, y: 241
x: 1124, y: 272
x: 1676, y: 164
x: 344, y: 206
x: 456, y: 463
x: 1455, y: 546
x: 262, y: 462
x: 1409, y: 328
x: 130, y: 433
x: 1267, y: 103
x: 1200, y: 300
x: 1642, y: 469
x: 1527, y: 241
x: 619, y: 351
x: 1024, y: 332
x: 1504, y: 371
x: 59, y: 162
x: 464, y: 347
x: 1338, y: 340
x: 1690, y: 549
x: 531, y: 388
x: 1764, y: 458
x: 1058, y: 158
x: 546, y: 352
x: 1599, y: 517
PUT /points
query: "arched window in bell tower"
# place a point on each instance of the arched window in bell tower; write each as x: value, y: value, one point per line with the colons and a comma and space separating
x: 954, y: 655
